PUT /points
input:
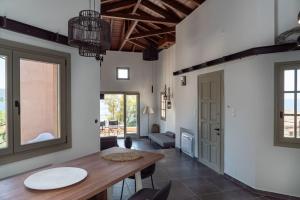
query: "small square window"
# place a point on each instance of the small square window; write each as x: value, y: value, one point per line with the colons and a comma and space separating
x: 122, y: 73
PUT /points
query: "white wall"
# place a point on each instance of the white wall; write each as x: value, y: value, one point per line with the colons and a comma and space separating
x: 218, y: 28
x: 85, y: 75
x: 221, y: 27
x: 142, y: 77
x: 165, y: 67
x: 276, y: 167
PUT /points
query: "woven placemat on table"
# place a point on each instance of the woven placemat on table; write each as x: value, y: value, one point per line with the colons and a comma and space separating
x: 121, y: 155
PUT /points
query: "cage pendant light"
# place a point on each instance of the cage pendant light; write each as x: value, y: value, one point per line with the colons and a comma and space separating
x: 89, y: 33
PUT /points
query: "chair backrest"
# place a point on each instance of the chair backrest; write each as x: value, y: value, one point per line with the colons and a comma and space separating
x: 163, y: 193
x: 102, y: 123
x: 148, y: 171
x: 108, y: 142
x: 113, y: 123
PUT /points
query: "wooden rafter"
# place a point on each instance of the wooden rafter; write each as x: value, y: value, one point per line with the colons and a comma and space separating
x: 157, y: 9
x: 116, y: 6
x: 132, y: 26
x: 178, y: 6
x: 199, y: 2
x: 143, y: 18
x: 152, y: 33
x: 130, y: 30
x: 137, y: 23
x: 151, y: 39
x: 141, y: 12
x: 138, y: 43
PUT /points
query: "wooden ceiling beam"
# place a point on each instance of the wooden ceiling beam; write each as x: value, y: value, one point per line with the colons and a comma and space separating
x: 145, y: 27
x: 149, y: 39
x: 105, y: 1
x: 199, y: 2
x: 138, y: 43
x: 143, y: 18
x: 157, y: 9
x: 161, y: 26
x: 152, y: 40
x: 178, y: 6
x: 152, y: 33
x: 148, y: 26
x: 130, y: 30
x: 166, y: 42
x: 132, y: 26
x: 115, y: 6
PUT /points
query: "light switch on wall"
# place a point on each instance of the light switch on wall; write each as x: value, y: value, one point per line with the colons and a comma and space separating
x: 232, y: 110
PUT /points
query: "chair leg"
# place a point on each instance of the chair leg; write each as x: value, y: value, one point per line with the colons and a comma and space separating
x: 122, y: 190
x: 152, y: 182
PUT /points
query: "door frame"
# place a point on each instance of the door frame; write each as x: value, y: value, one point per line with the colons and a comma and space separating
x: 222, y: 132
x: 124, y: 93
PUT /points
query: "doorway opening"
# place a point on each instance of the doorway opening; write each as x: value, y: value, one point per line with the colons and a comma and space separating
x: 119, y: 114
x: 211, y: 120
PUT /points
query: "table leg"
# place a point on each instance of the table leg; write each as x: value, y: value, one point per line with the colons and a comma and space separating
x: 138, y: 180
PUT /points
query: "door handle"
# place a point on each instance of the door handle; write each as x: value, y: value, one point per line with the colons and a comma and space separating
x: 217, y: 130
x: 18, y: 106
x: 281, y: 114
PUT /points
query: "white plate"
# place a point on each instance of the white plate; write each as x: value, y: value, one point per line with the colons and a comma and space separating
x: 55, y: 178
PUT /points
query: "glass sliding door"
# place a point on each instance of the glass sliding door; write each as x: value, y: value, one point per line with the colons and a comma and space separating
x: 132, y: 115
x: 112, y: 115
x: 119, y: 114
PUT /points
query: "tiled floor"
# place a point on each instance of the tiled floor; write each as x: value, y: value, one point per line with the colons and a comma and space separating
x: 190, y: 179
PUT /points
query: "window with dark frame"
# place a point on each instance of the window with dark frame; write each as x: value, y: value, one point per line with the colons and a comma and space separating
x: 34, y: 101
x: 287, y: 104
x: 123, y: 73
x: 163, y: 107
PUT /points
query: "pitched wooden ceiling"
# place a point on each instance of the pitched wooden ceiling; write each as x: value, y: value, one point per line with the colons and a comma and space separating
x: 136, y: 24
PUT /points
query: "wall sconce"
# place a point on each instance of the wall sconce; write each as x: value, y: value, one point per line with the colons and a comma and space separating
x: 169, y: 103
x: 183, y: 80
x: 165, y: 93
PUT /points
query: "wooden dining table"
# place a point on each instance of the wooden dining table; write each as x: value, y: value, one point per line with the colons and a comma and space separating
x: 102, y: 175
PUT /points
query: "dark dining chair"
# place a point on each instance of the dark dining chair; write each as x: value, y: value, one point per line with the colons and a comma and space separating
x: 151, y: 194
x: 113, y: 125
x: 108, y: 142
x: 145, y: 173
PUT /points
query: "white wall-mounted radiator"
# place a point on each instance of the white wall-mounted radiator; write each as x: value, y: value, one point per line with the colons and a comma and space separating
x: 187, y: 143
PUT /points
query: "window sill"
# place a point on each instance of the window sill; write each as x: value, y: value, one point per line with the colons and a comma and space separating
x: 287, y: 144
x: 6, y: 159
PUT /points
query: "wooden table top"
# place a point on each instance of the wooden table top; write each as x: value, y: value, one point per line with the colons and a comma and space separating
x: 101, y: 175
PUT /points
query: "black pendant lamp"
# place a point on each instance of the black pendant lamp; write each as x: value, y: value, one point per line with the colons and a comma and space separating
x: 89, y: 33
x: 299, y: 18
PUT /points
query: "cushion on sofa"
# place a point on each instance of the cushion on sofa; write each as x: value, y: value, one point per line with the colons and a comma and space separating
x: 162, y: 139
x: 170, y: 134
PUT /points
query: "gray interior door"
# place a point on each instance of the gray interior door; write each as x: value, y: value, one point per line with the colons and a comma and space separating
x: 210, y: 119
